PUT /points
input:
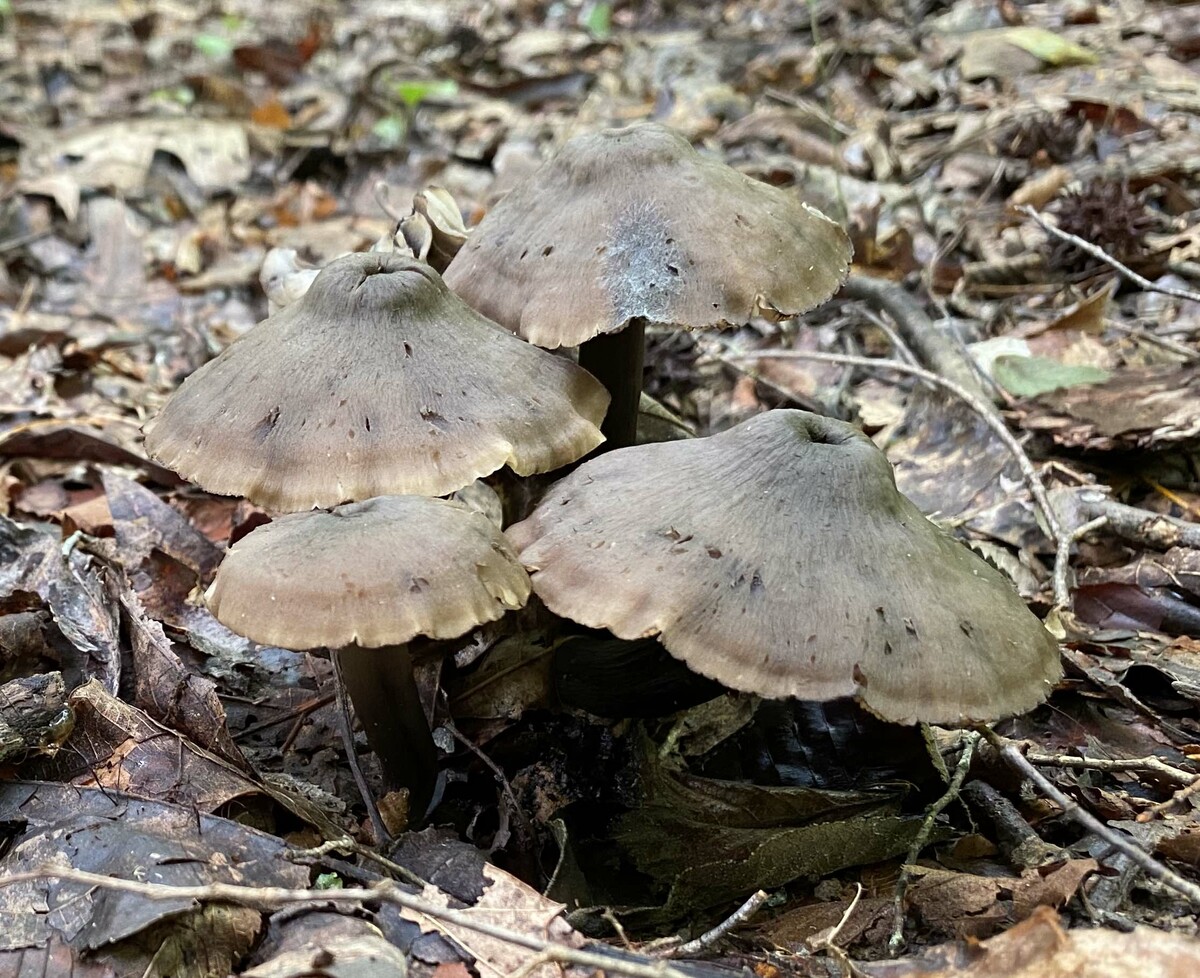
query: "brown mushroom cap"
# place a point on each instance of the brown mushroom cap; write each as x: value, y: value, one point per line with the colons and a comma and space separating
x: 779, y: 558
x: 634, y: 222
x: 379, y: 380
x: 375, y: 573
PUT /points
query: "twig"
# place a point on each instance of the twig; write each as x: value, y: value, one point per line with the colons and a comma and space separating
x: 710, y: 937
x: 347, y: 844
x: 271, y: 897
x: 1018, y: 841
x: 1101, y: 255
x: 982, y: 408
x: 1153, y: 765
x: 346, y: 723
x: 1062, y: 559
x: 1072, y: 810
x: 1155, y: 530
x: 919, y: 331
x: 896, y: 941
x: 1177, y: 800
x: 828, y: 943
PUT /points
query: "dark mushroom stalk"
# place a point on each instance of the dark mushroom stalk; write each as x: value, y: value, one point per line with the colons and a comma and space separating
x: 633, y: 226
x: 616, y: 360
x: 788, y: 565
x: 383, y: 691
x: 365, y: 579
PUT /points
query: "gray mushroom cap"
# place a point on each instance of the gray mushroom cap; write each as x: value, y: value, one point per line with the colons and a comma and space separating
x: 779, y: 558
x: 375, y: 573
x: 634, y: 222
x: 379, y: 380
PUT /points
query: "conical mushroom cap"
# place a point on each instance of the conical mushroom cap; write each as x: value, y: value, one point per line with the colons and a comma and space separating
x: 634, y: 222
x: 380, y: 572
x: 779, y: 558
x: 378, y: 381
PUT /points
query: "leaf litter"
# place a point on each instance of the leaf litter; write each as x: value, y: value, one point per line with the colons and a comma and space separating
x: 153, y: 156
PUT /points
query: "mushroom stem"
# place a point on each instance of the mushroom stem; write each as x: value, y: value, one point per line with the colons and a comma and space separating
x: 384, y: 694
x: 615, y: 359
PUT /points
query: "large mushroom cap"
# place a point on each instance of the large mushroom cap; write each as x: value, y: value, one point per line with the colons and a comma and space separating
x: 634, y: 222
x: 779, y: 558
x: 379, y: 380
x: 375, y: 573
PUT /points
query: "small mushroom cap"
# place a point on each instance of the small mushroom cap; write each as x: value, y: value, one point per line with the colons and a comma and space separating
x: 380, y: 572
x: 378, y: 380
x: 779, y: 558
x: 634, y: 222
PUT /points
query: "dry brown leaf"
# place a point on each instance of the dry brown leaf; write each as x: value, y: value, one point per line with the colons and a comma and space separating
x: 1041, y: 947
x: 508, y: 903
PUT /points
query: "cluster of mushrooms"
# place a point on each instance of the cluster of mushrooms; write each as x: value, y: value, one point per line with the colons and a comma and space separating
x: 777, y: 557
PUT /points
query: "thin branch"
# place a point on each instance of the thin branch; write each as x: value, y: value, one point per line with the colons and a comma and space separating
x: 1101, y: 255
x: 982, y: 408
x: 710, y: 937
x: 1177, y: 800
x: 1155, y: 530
x: 1062, y: 559
x: 1153, y: 765
x: 1072, y: 810
x: 919, y: 331
x: 267, y: 898
x: 896, y: 941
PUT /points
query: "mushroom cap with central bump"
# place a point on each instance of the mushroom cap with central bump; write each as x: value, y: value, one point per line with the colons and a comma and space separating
x: 779, y: 558
x: 375, y: 573
x: 635, y: 223
x: 378, y: 381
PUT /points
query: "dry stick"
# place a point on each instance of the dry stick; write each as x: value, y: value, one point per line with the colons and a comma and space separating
x: 1072, y: 810
x: 981, y: 407
x: 347, y: 844
x: 1177, y: 800
x: 264, y: 898
x: 710, y: 937
x: 1153, y: 765
x: 1154, y: 530
x: 1062, y: 559
x: 919, y: 331
x: 346, y: 725
x: 829, y: 945
x: 896, y: 941
x: 1101, y: 255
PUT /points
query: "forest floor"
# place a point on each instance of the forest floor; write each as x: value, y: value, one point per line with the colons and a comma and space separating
x: 1027, y: 173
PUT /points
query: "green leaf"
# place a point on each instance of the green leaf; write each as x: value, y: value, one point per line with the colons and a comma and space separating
x: 597, y: 21
x: 1030, y: 376
x: 390, y: 130
x: 1046, y: 46
x: 213, y: 45
x: 414, y: 91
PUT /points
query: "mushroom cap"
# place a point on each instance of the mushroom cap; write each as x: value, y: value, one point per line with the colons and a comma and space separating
x: 779, y: 558
x: 378, y: 380
x: 635, y: 222
x: 380, y: 572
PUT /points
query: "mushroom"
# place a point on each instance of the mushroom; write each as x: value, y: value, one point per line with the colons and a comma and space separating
x: 632, y: 226
x: 378, y: 380
x: 779, y: 558
x: 365, y: 579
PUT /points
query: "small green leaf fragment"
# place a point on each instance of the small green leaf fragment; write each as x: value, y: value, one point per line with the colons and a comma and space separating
x: 597, y: 21
x: 1031, y: 376
x: 413, y: 91
x: 213, y: 45
x: 390, y: 130
x: 1048, y: 47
